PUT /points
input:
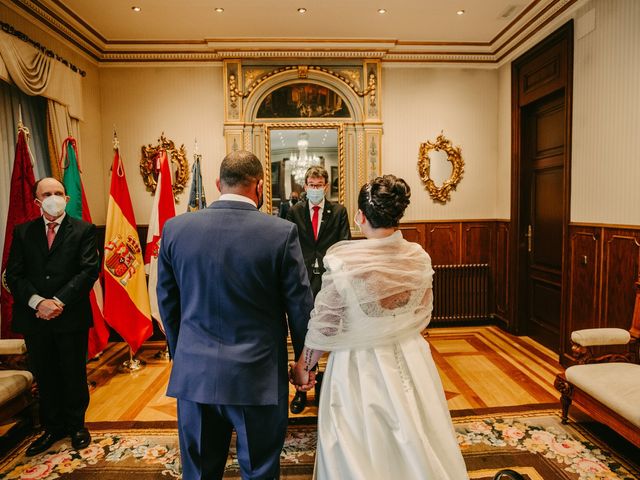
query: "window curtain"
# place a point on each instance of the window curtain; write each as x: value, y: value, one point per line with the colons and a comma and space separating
x: 60, y: 125
x: 34, y: 117
x: 51, y: 98
x: 34, y: 73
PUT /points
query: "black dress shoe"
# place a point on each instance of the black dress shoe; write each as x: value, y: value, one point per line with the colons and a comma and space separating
x: 43, y: 443
x: 299, y: 402
x: 80, y: 439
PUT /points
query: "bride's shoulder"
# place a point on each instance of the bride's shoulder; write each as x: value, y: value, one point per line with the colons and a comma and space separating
x: 333, y: 262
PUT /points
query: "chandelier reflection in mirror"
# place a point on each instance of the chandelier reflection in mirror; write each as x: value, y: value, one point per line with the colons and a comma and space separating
x: 301, y: 160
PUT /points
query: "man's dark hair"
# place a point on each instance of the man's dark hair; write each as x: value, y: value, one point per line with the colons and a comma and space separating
x: 316, y: 172
x: 241, y: 168
x: 35, y: 185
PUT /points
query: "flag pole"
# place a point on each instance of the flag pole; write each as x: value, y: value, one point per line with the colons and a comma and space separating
x: 164, y: 353
x: 131, y: 365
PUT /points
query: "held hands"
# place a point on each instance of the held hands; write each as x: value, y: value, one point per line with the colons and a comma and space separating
x: 302, y: 379
x: 48, y: 309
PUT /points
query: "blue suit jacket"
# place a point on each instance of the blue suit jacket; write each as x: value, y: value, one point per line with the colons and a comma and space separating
x: 229, y: 277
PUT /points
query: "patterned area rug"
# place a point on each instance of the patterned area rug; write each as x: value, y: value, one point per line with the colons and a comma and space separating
x: 534, y: 443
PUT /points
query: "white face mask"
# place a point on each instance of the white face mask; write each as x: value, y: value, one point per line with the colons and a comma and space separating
x: 54, y: 205
x: 315, y: 196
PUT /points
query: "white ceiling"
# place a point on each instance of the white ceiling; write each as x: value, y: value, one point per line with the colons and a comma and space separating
x: 191, y: 30
x: 196, y: 20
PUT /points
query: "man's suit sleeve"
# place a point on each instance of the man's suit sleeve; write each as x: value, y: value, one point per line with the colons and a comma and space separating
x: 343, y: 226
x: 168, y: 294
x: 296, y: 290
x: 21, y: 288
x: 79, y: 286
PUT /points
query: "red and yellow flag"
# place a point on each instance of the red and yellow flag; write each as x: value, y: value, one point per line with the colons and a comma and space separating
x: 126, y: 299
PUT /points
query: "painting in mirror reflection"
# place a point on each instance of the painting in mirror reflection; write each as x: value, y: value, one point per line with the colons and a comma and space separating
x: 303, y: 100
x: 293, y: 151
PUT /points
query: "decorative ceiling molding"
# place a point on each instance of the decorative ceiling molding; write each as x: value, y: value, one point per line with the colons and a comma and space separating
x: 75, y: 30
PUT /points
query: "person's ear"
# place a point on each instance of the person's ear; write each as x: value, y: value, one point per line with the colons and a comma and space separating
x: 218, y: 185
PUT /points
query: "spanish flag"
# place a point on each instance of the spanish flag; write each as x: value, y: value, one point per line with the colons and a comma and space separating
x: 126, y: 299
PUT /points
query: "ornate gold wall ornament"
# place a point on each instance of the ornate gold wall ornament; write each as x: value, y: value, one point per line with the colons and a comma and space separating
x: 454, y: 155
x: 303, y: 72
x: 150, y: 168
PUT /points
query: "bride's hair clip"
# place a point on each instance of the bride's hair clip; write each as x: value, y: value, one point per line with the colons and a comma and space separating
x: 369, y: 199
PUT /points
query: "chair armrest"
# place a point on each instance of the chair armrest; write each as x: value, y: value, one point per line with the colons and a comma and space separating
x: 12, y: 347
x: 600, y: 336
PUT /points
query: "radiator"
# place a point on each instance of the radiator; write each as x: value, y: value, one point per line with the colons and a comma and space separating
x: 460, y: 293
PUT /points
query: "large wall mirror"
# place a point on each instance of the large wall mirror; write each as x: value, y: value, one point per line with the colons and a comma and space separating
x: 294, y: 116
x: 292, y: 149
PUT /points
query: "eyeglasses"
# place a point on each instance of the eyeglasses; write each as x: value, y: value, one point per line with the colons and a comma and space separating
x: 315, y: 187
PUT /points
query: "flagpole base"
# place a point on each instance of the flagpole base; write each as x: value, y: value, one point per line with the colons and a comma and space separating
x: 163, y: 354
x: 132, y: 365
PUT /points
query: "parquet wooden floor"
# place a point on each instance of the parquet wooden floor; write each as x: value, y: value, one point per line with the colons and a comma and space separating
x: 480, y: 367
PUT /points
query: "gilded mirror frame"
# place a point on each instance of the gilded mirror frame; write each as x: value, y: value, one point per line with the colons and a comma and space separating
x: 268, y: 127
x: 178, y: 163
x: 454, y: 155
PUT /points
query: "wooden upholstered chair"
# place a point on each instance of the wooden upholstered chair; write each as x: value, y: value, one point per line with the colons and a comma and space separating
x: 606, y: 386
x: 15, y: 381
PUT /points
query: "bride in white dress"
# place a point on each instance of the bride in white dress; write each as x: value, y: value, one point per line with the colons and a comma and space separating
x: 382, y: 412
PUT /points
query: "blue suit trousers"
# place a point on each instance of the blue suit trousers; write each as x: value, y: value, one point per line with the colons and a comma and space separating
x: 205, y: 430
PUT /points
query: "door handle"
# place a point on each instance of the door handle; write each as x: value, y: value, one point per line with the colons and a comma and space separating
x: 529, y: 236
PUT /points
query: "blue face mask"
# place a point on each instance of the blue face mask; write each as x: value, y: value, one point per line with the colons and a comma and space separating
x: 315, y: 196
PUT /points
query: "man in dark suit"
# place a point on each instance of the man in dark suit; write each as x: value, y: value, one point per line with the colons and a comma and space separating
x: 284, y: 207
x: 229, y: 280
x: 52, y: 266
x: 321, y: 223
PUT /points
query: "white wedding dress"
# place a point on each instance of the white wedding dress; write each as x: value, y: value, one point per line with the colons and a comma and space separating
x: 382, y: 413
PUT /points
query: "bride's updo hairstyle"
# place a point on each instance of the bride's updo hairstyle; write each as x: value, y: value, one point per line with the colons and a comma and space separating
x: 383, y: 200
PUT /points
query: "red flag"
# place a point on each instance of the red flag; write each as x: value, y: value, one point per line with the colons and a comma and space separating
x: 78, y: 207
x: 163, y: 209
x: 22, y: 208
x: 126, y: 300
x: 99, y: 333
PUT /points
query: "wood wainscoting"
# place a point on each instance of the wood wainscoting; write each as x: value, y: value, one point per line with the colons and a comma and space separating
x: 466, y: 242
x: 603, y: 265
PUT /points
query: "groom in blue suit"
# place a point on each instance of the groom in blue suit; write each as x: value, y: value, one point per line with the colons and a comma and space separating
x: 231, y: 282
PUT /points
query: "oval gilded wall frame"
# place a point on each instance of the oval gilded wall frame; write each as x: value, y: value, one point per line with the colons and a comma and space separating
x: 178, y: 163
x: 454, y: 155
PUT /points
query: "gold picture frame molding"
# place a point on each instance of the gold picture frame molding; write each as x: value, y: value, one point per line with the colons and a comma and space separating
x: 454, y: 155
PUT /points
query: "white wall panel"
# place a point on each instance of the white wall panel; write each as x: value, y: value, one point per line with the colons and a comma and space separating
x: 184, y: 102
x: 419, y: 103
x: 606, y: 116
x: 503, y: 167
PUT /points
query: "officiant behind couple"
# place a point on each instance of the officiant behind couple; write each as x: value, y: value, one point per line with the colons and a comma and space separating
x: 382, y: 412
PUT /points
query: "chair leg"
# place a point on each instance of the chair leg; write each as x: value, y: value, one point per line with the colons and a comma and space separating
x: 566, y: 391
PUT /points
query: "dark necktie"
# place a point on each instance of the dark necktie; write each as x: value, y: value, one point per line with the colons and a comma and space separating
x: 51, y: 233
x: 314, y: 221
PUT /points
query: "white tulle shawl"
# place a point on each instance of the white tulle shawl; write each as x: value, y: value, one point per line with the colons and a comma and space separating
x: 374, y: 292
